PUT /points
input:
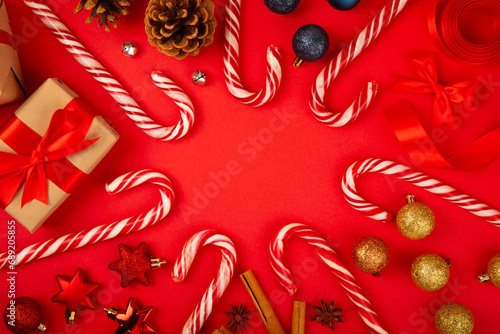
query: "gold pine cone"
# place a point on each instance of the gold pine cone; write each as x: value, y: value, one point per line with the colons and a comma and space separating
x: 179, y: 28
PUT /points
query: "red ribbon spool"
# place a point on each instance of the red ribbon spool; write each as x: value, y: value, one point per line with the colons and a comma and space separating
x: 466, y: 30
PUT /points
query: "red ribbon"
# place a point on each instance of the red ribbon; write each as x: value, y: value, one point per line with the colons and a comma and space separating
x: 424, y: 152
x: 460, y: 92
x: 43, y: 158
x: 466, y: 30
x: 5, y: 37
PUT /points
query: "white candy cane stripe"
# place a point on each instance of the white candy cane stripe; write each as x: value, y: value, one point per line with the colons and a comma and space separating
x: 106, y: 231
x: 232, y: 58
x: 217, y: 286
x: 344, y: 58
x: 412, y: 176
x: 328, y: 255
x: 113, y: 87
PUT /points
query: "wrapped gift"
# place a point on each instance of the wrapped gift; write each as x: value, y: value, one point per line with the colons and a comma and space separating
x: 47, y: 148
x: 11, y: 80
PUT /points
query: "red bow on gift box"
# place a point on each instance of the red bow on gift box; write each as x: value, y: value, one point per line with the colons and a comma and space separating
x: 38, y: 157
x: 460, y: 92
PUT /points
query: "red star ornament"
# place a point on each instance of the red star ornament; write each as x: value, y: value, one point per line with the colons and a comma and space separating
x: 74, y: 293
x: 134, y: 264
x: 133, y: 320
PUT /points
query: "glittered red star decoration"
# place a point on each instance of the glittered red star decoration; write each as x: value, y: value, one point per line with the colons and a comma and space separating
x: 133, y: 320
x: 133, y: 264
x: 74, y: 293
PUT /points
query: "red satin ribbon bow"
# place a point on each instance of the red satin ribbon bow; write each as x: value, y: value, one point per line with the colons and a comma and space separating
x: 65, y: 136
x: 460, y: 92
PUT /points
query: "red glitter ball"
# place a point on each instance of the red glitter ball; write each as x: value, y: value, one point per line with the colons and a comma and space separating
x: 134, y: 264
x: 28, y: 316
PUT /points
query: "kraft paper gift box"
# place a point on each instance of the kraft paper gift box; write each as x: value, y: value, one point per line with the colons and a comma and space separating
x: 11, y: 81
x: 75, y: 140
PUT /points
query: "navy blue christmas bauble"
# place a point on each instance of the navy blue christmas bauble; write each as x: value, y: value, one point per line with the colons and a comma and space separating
x: 281, y: 6
x: 343, y: 4
x: 310, y: 43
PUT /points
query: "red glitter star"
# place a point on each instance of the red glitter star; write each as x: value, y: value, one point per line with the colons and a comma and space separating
x: 133, y: 320
x: 74, y: 291
x: 134, y: 264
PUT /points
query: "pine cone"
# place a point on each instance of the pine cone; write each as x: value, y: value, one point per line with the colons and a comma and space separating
x: 104, y: 10
x: 180, y: 28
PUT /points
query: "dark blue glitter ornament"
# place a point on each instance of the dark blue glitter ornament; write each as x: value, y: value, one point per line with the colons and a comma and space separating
x: 343, y: 4
x: 281, y: 6
x: 310, y: 43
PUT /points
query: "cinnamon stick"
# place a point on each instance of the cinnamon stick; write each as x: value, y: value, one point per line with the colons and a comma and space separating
x: 222, y: 330
x: 299, y: 317
x: 263, y: 306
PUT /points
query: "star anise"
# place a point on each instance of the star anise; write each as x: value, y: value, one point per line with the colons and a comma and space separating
x: 237, y: 317
x: 327, y: 314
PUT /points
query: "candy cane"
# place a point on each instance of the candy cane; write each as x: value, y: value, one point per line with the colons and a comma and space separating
x: 344, y: 58
x: 232, y: 67
x: 106, y: 231
x: 409, y: 175
x: 180, y: 98
x: 217, y: 286
x: 328, y: 255
x: 113, y: 87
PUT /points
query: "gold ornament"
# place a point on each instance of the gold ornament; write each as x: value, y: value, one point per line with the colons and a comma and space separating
x: 493, y: 274
x: 415, y: 220
x: 454, y: 318
x: 370, y: 255
x: 430, y: 272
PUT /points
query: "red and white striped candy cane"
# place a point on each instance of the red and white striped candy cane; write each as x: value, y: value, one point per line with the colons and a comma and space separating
x: 217, y: 286
x: 344, y: 58
x: 232, y: 59
x: 180, y: 98
x: 106, y: 231
x: 113, y: 87
x: 410, y: 175
x: 328, y: 255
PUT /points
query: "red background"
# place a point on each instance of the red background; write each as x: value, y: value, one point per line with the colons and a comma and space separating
x: 294, y: 178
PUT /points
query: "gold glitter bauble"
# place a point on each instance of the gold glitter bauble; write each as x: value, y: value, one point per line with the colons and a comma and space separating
x: 430, y: 272
x: 454, y: 318
x: 415, y: 220
x: 494, y: 270
x: 370, y: 254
